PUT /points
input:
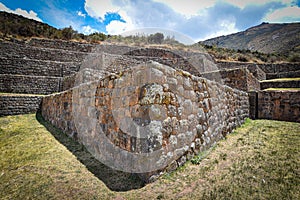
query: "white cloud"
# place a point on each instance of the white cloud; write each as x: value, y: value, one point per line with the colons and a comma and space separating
x: 244, y: 3
x: 188, y: 8
x: 198, y: 19
x: 79, y: 13
x: 226, y: 27
x: 117, y: 27
x: 288, y: 14
x: 31, y: 14
x: 88, y: 30
x: 98, y: 9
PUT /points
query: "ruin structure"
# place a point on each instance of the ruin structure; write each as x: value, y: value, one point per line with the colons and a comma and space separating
x: 142, y: 110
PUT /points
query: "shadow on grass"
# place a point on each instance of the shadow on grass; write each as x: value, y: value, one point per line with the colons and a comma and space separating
x: 113, y: 179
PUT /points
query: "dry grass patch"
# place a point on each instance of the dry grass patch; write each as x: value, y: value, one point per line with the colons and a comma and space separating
x: 260, y: 160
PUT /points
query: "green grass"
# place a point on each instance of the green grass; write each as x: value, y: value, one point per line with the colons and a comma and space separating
x: 260, y: 160
x: 282, y: 89
x: 281, y: 80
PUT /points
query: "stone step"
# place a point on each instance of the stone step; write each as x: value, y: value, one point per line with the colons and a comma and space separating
x: 280, y: 83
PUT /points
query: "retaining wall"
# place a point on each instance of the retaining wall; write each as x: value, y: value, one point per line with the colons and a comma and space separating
x: 280, y: 84
x: 291, y: 74
x: 280, y: 68
x: 13, y: 50
x: 29, y: 84
x: 239, y: 78
x: 252, y: 67
x: 20, y: 66
x: 11, y: 104
x: 279, y: 105
x: 175, y: 113
x: 61, y: 44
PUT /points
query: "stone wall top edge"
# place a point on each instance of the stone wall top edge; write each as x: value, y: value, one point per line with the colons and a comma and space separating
x: 279, y: 91
x: 259, y: 64
x: 157, y: 65
x: 27, y: 76
x: 43, y: 61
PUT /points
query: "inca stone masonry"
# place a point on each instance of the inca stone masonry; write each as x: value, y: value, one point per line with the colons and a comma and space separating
x: 140, y: 110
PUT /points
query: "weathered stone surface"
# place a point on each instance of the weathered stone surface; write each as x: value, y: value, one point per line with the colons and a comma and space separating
x: 136, y: 115
x: 280, y: 84
x: 239, y: 78
x: 146, y: 119
x: 29, y: 84
x: 16, y: 104
x: 279, y: 105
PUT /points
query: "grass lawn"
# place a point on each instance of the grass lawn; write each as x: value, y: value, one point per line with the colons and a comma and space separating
x: 260, y: 160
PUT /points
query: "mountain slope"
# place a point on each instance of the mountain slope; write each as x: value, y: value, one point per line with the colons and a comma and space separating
x: 265, y: 38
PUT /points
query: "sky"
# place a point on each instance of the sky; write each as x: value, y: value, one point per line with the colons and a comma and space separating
x: 193, y: 19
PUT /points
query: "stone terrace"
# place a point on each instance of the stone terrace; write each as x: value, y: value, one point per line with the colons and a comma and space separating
x: 278, y: 96
x: 183, y: 110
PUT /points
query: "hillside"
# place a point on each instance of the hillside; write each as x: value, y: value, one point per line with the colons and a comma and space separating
x: 17, y: 26
x: 265, y: 38
x: 12, y: 24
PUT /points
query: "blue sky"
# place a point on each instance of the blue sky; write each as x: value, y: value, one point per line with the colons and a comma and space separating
x: 197, y: 19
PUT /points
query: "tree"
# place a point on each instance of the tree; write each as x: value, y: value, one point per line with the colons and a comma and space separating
x: 67, y: 33
x: 157, y: 38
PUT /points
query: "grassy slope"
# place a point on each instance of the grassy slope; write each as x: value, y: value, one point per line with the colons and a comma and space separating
x: 259, y: 161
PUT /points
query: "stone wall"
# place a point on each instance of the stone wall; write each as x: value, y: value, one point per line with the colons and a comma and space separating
x: 280, y: 84
x: 253, y: 104
x: 279, y: 68
x: 21, y: 66
x: 279, y: 105
x: 290, y: 74
x: 265, y: 71
x: 11, y: 50
x: 11, y: 104
x: 150, y: 110
x: 29, y: 84
x: 61, y: 44
x: 239, y: 78
x: 255, y: 69
x: 257, y: 72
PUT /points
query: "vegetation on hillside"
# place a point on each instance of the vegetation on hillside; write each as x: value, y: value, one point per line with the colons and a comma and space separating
x: 223, y: 54
x: 260, y: 160
x: 277, y: 39
x: 20, y: 27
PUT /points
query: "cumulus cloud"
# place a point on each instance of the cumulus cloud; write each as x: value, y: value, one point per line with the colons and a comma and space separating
x: 119, y: 27
x: 88, y: 30
x: 288, y: 14
x: 197, y: 19
x: 31, y: 14
x: 245, y: 3
x: 189, y: 7
x: 98, y: 9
